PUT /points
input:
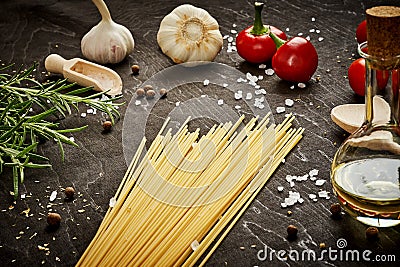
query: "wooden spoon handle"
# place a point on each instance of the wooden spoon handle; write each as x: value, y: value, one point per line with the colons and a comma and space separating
x: 55, y: 63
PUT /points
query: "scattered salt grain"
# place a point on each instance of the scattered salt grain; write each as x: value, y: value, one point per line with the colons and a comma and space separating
x: 262, y: 66
x: 323, y: 194
x: 249, y: 96
x: 225, y: 85
x: 320, y: 39
x: 177, y: 104
x: 280, y: 188
x: 300, y: 200
x: 225, y: 36
x: 319, y: 182
x: 238, y: 107
x: 194, y: 245
x: 72, y: 139
x: 83, y: 115
x: 112, y: 202
x: 312, y: 30
x: 280, y: 109
x: 269, y: 72
x: 289, y: 102
x: 291, y: 87
x: 23, y: 196
x: 260, y: 77
x: 287, y: 29
x: 301, y: 85
x: 312, y: 19
x: 313, y: 172
x: 53, y: 196
x: 300, y: 34
x: 89, y: 111
x: 233, y: 31
x: 283, y: 205
x: 234, y: 25
x: 220, y: 102
x: 312, y: 196
x: 203, y: 96
x: 206, y: 82
x: 317, y: 31
x: 138, y: 102
x: 230, y: 39
x: 238, y: 95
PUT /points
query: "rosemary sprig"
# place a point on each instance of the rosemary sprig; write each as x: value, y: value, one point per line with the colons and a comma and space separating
x: 28, y: 109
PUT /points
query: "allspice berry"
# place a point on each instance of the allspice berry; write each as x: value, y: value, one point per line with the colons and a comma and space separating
x: 163, y: 92
x: 335, y: 209
x: 135, y: 69
x: 53, y: 219
x: 292, y: 231
x: 372, y: 233
x: 147, y: 87
x: 150, y: 94
x: 107, y: 125
x: 69, y: 192
x: 140, y: 92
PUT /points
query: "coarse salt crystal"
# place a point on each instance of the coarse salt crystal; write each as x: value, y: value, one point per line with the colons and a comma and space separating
x: 234, y: 25
x: 312, y: 19
x: 89, y: 111
x: 317, y: 31
x: 291, y: 87
x: 283, y: 205
x: 220, y: 102
x: 238, y: 96
x: 72, y: 139
x: 83, y: 114
x: 319, y: 182
x: 177, y: 104
x: 238, y: 107
x: 323, y: 194
x: 138, y: 102
x: 225, y: 85
x: 203, y: 96
x: 301, y: 85
x: 230, y: 39
x: 194, y: 245
x: 225, y: 36
x: 287, y: 29
x: 313, y: 178
x: 269, y: 72
x: 260, y: 77
x: 249, y: 96
x: 257, y: 86
x: 289, y: 102
x: 291, y: 183
x: 262, y: 66
x: 312, y: 196
x: 280, y: 109
x: 312, y: 30
x: 233, y: 31
x: 300, y: 200
x: 23, y: 196
x: 112, y: 202
x: 206, y: 82
x: 313, y: 172
x: 280, y: 188
x: 320, y: 39
x: 53, y: 196
x: 308, y: 38
x: 300, y: 34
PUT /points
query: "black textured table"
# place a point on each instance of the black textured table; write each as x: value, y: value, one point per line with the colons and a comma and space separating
x: 31, y: 30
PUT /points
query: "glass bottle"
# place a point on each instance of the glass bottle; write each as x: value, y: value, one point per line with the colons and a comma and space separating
x: 365, y: 171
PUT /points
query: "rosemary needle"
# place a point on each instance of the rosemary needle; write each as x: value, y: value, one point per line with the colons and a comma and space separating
x: 27, y: 111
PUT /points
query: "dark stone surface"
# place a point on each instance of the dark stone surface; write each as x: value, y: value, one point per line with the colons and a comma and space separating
x: 30, y: 30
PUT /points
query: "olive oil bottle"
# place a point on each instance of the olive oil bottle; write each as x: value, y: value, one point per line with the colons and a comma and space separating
x: 365, y: 171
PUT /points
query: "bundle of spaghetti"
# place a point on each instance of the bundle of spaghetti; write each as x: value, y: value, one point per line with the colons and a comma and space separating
x: 186, y: 191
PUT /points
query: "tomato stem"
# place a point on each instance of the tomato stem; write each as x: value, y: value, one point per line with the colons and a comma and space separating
x: 278, y: 41
x: 258, y: 26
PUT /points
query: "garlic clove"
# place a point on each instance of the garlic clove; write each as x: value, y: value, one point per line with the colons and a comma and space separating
x: 107, y: 42
x: 189, y: 34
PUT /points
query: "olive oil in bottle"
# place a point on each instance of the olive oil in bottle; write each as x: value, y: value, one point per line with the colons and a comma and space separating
x: 369, y: 190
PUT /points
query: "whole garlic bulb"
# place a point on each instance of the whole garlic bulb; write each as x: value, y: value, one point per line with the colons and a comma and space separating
x: 189, y: 34
x: 107, y: 42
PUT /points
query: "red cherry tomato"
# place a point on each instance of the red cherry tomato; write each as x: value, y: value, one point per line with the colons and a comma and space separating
x: 357, y: 74
x: 361, y: 32
x: 257, y: 48
x: 296, y: 60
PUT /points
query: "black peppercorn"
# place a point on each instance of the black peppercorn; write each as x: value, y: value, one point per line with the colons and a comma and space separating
x: 107, y: 125
x: 372, y: 233
x: 69, y: 192
x: 335, y: 209
x: 292, y: 231
x: 53, y: 219
x: 135, y: 69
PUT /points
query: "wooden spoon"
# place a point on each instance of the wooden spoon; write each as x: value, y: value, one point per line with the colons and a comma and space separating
x: 85, y: 73
x: 350, y: 117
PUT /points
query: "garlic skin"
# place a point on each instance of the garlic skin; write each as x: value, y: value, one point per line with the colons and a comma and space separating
x: 107, y: 42
x: 189, y: 34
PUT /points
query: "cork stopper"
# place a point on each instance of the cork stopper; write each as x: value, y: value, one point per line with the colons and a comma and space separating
x: 383, y: 32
